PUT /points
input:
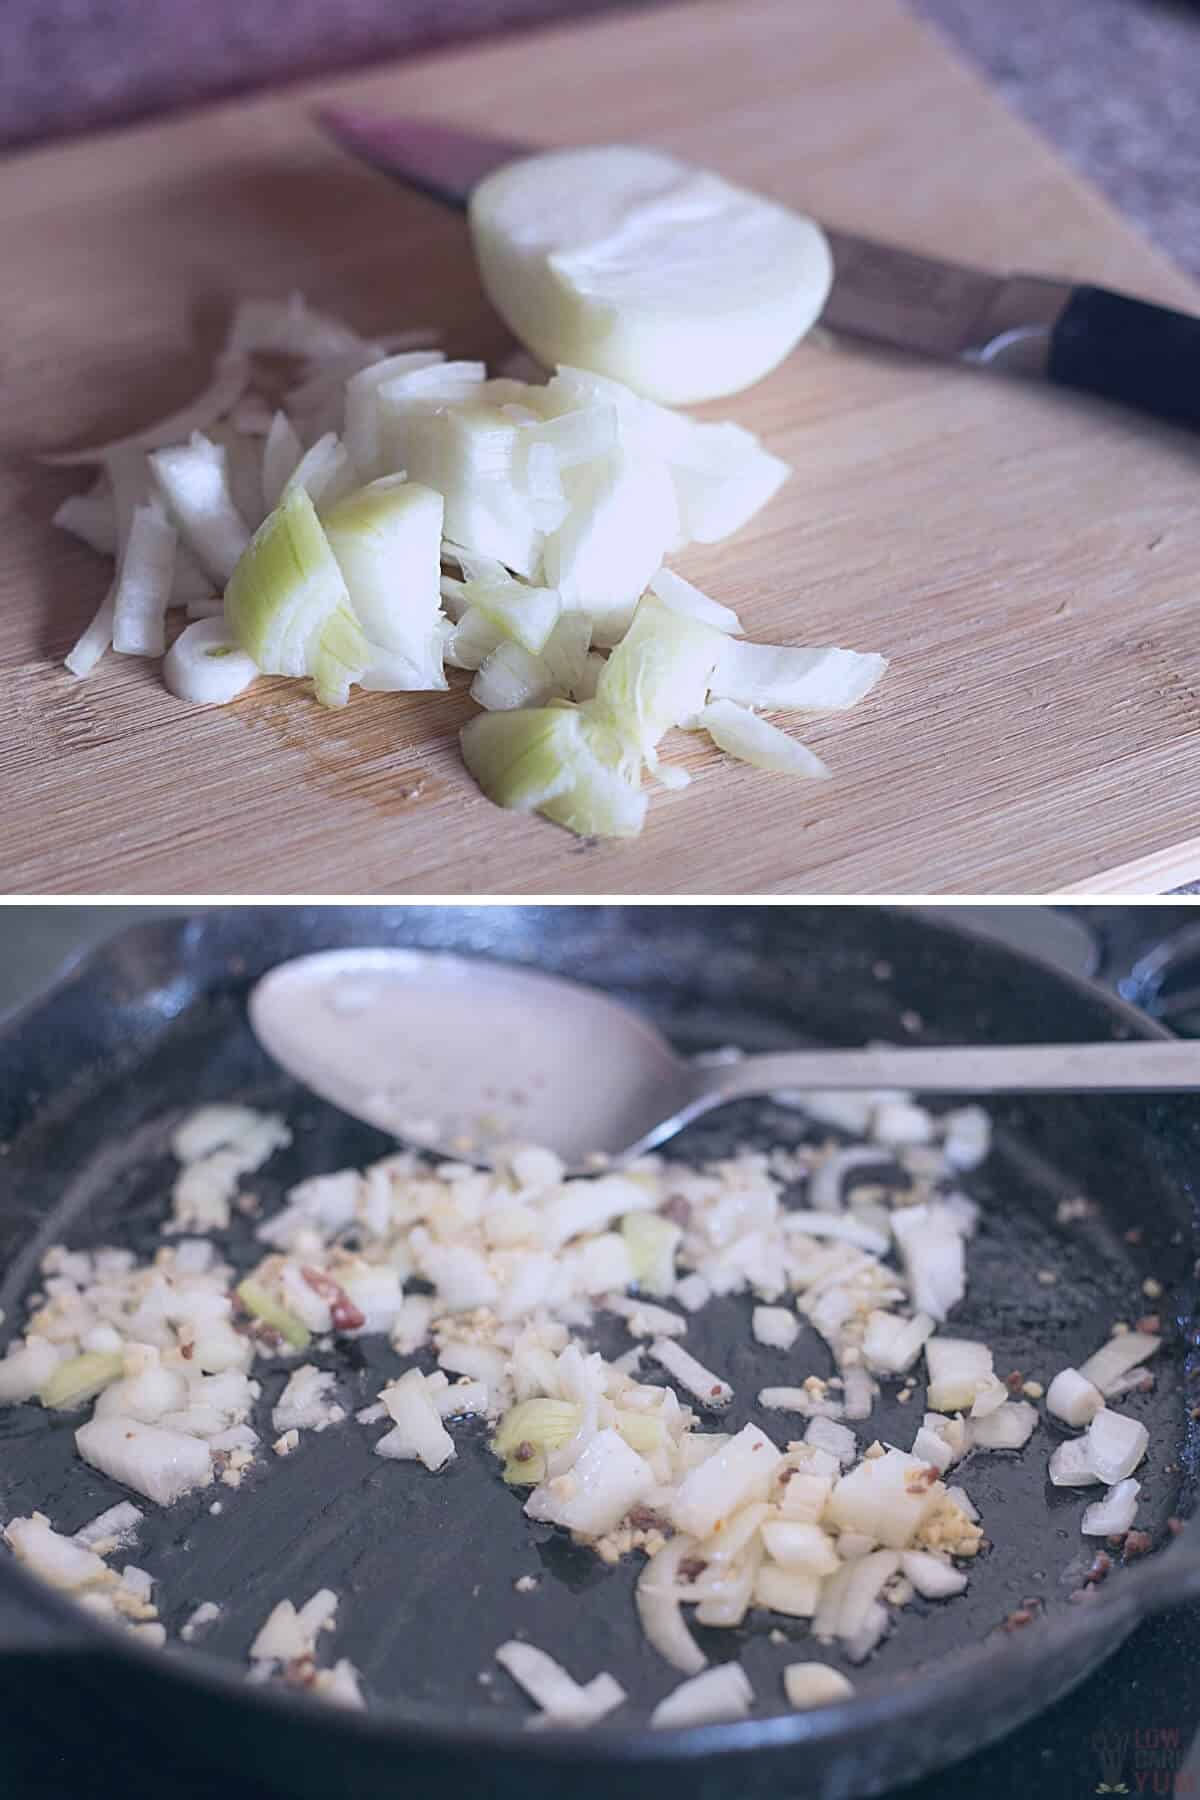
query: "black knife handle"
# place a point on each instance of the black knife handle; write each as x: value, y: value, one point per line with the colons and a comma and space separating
x: 1129, y: 350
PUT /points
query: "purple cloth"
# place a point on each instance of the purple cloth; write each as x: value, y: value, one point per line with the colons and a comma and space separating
x: 70, y: 65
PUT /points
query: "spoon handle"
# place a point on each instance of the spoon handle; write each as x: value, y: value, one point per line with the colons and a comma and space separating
x: 1170, y: 1065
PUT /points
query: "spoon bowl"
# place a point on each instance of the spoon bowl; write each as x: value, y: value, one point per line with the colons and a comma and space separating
x: 465, y: 1057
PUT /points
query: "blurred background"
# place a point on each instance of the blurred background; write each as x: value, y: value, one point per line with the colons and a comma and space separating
x: 1110, y: 82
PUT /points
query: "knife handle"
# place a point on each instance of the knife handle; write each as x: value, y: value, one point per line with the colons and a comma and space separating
x: 1129, y: 350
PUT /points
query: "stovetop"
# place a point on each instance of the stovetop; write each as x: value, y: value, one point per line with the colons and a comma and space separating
x: 1131, y: 1723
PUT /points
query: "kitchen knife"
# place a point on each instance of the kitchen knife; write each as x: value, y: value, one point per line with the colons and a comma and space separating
x: 1075, y: 335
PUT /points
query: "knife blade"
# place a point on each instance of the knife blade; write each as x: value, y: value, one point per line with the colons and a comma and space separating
x: 1079, y: 336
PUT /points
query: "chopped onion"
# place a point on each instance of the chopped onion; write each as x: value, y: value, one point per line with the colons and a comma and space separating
x: 658, y: 674
x: 723, y: 476
x: 205, y: 666
x: 89, y: 517
x: 325, y: 472
x: 418, y: 1433
x: 741, y: 733
x: 775, y: 1326
x: 933, y: 1577
x: 562, y: 1700
x: 1114, y: 1515
x: 644, y: 1318
x: 964, y: 1503
x: 1072, y: 1398
x: 828, y: 1434
x: 858, y: 1393
x: 80, y: 1378
x: 887, y: 1497
x: 799, y: 1546
x: 543, y: 759
x: 282, y: 452
x: 595, y: 1494
x: 1071, y: 1464
x: 849, y: 1595
x: 958, y: 1369
x: 968, y: 1136
x: 815, y: 1684
x: 799, y: 1400
x: 1010, y: 1427
x: 24, y: 1370
x: 527, y: 615
x: 652, y: 1242
x: 711, y: 1391
x: 162, y: 1465
x: 535, y: 1427
x: 891, y: 1345
x: 289, y: 328
x: 1117, y: 1357
x: 739, y: 1473
x: 58, y: 1560
x: 387, y: 541
x: 288, y: 606
x: 115, y: 1528
x: 658, y: 1607
x: 834, y: 1225
x: 931, y: 1250
x: 776, y: 675
x: 364, y: 413
x: 794, y: 1592
x: 193, y: 479
x: 930, y: 1447
x: 1115, y: 1445
x: 720, y: 1693
x: 611, y: 544
x: 681, y: 597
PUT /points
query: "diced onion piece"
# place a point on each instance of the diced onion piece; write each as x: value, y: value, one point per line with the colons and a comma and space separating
x: 794, y: 1592
x: 82, y: 658
x: 594, y: 1495
x: 799, y: 1400
x: 723, y: 476
x: 720, y: 1693
x: 365, y: 428
x: 1071, y: 1464
x: 528, y: 1431
x: 958, y: 1368
x: 89, y: 517
x: 891, y: 1345
x: 658, y: 674
x: 325, y: 472
x: 858, y: 1393
x: 561, y: 1699
x: 658, y: 1606
x: 544, y: 760
x: 990, y: 1396
x: 263, y: 1305
x: 848, y: 1596
x: 800, y: 1546
x: 288, y: 606
x: 1115, y: 1445
x: 387, y: 541
x: 646, y: 268
x: 887, y: 1497
x: 652, y: 1242
x: 681, y: 597
x: 836, y: 1225
x: 418, y: 1433
x: 472, y: 639
x: 527, y: 615
x: 740, y: 1472
x: 931, y: 1250
x: 116, y: 1527
x: 1114, y: 1515
x: 964, y: 1503
x: 968, y: 1136
x: 775, y: 1326
x: 25, y: 1369
x: 828, y: 1434
x: 812, y: 1684
x: 1072, y: 1398
x: 509, y: 677
x: 466, y: 453
x: 826, y: 680
x: 55, y: 1559
x: 282, y: 451
x: 741, y: 733
x: 193, y: 479
x: 205, y: 666
x: 160, y: 1464
x: 709, y: 1388
x: 1117, y: 1357
x: 229, y: 382
x: 80, y: 1378
x: 1009, y: 1427
x: 622, y: 520
x: 930, y: 1447
x: 933, y: 1577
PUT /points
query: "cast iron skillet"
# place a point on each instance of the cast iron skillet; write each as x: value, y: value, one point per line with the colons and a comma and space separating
x: 91, y: 1078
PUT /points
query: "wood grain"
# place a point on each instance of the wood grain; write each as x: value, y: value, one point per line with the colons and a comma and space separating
x: 1028, y: 561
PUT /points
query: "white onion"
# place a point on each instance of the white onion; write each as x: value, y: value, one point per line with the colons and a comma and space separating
x: 193, y: 479
x: 1114, y: 1515
x: 849, y: 1595
x: 1071, y: 1464
x: 891, y: 1345
x: 708, y: 1388
x: 965, y: 1504
x: 815, y: 1684
x: 561, y: 1699
x: 968, y: 1136
x: 418, y: 1433
x: 1072, y: 1398
x: 658, y: 1607
x: 644, y: 1318
x: 838, y: 1440
x: 887, y: 1497
x: 932, y: 1448
x: 931, y: 1250
x: 958, y: 1368
x: 720, y: 1693
x: 116, y: 1527
x: 163, y: 1465
x: 822, y: 1224
x: 742, y: 734
x: 89, y: 517
x: 796, y: 1545
x: 282, y: 451
x: 739, y: 1473
x: 681, y: 597
x: 1117, y: 1357
x: 205, y: 665
x: 25, y: 1369
x: 1010, y: 1427
x: 794, y: 1592
x: 825, y: 680
x: 933, y: 1577
x: 55, y: 1559
x: 1115, y: 1445
x: 775, y: 1326
x: 144, y: 584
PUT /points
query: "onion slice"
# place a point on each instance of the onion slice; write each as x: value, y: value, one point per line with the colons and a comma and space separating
x: 205, y: 667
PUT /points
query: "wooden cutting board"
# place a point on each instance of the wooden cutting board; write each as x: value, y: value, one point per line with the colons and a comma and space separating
x: 1029, y: 561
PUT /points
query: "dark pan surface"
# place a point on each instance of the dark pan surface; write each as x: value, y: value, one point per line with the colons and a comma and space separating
x: 425, y: 1565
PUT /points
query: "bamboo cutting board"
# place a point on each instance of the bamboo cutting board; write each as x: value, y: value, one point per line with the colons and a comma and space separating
x: 1028, y: 561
